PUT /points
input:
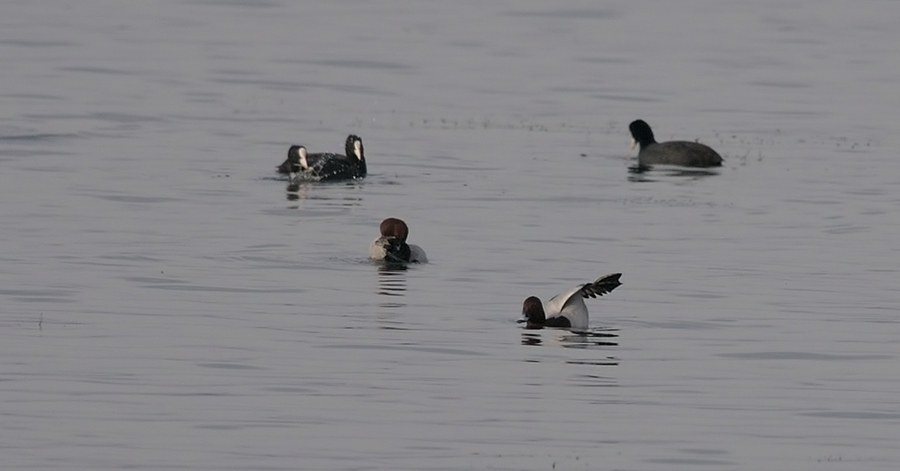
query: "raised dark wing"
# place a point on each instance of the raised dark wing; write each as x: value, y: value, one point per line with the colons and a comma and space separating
x: 601, y: 286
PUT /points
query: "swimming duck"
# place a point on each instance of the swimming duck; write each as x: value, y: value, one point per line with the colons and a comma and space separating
x: 684, y: 153
x: 392, y: 246
x: 302, y: 165
x: 566, y: 309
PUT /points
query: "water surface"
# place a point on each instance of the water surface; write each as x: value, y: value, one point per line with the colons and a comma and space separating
x: 166, y: 303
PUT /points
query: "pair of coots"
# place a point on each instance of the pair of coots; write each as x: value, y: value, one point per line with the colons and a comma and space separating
x: 301, y: 165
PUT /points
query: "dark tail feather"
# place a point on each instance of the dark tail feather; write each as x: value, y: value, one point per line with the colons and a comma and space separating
x: 397, y: 251
x: 603, y: 285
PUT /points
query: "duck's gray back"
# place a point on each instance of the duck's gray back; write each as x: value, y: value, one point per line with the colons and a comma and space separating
x: 684, y: 153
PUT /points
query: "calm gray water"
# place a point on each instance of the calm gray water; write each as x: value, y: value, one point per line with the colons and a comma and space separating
x: 166, y: 304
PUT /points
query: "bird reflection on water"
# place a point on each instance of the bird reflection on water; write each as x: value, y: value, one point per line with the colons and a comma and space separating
x: 305, y: 190
x: 392, y: 279
x: 601, y: 337
x: 391, y: 285
x: 638, y: 173
x: 597, y: 339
